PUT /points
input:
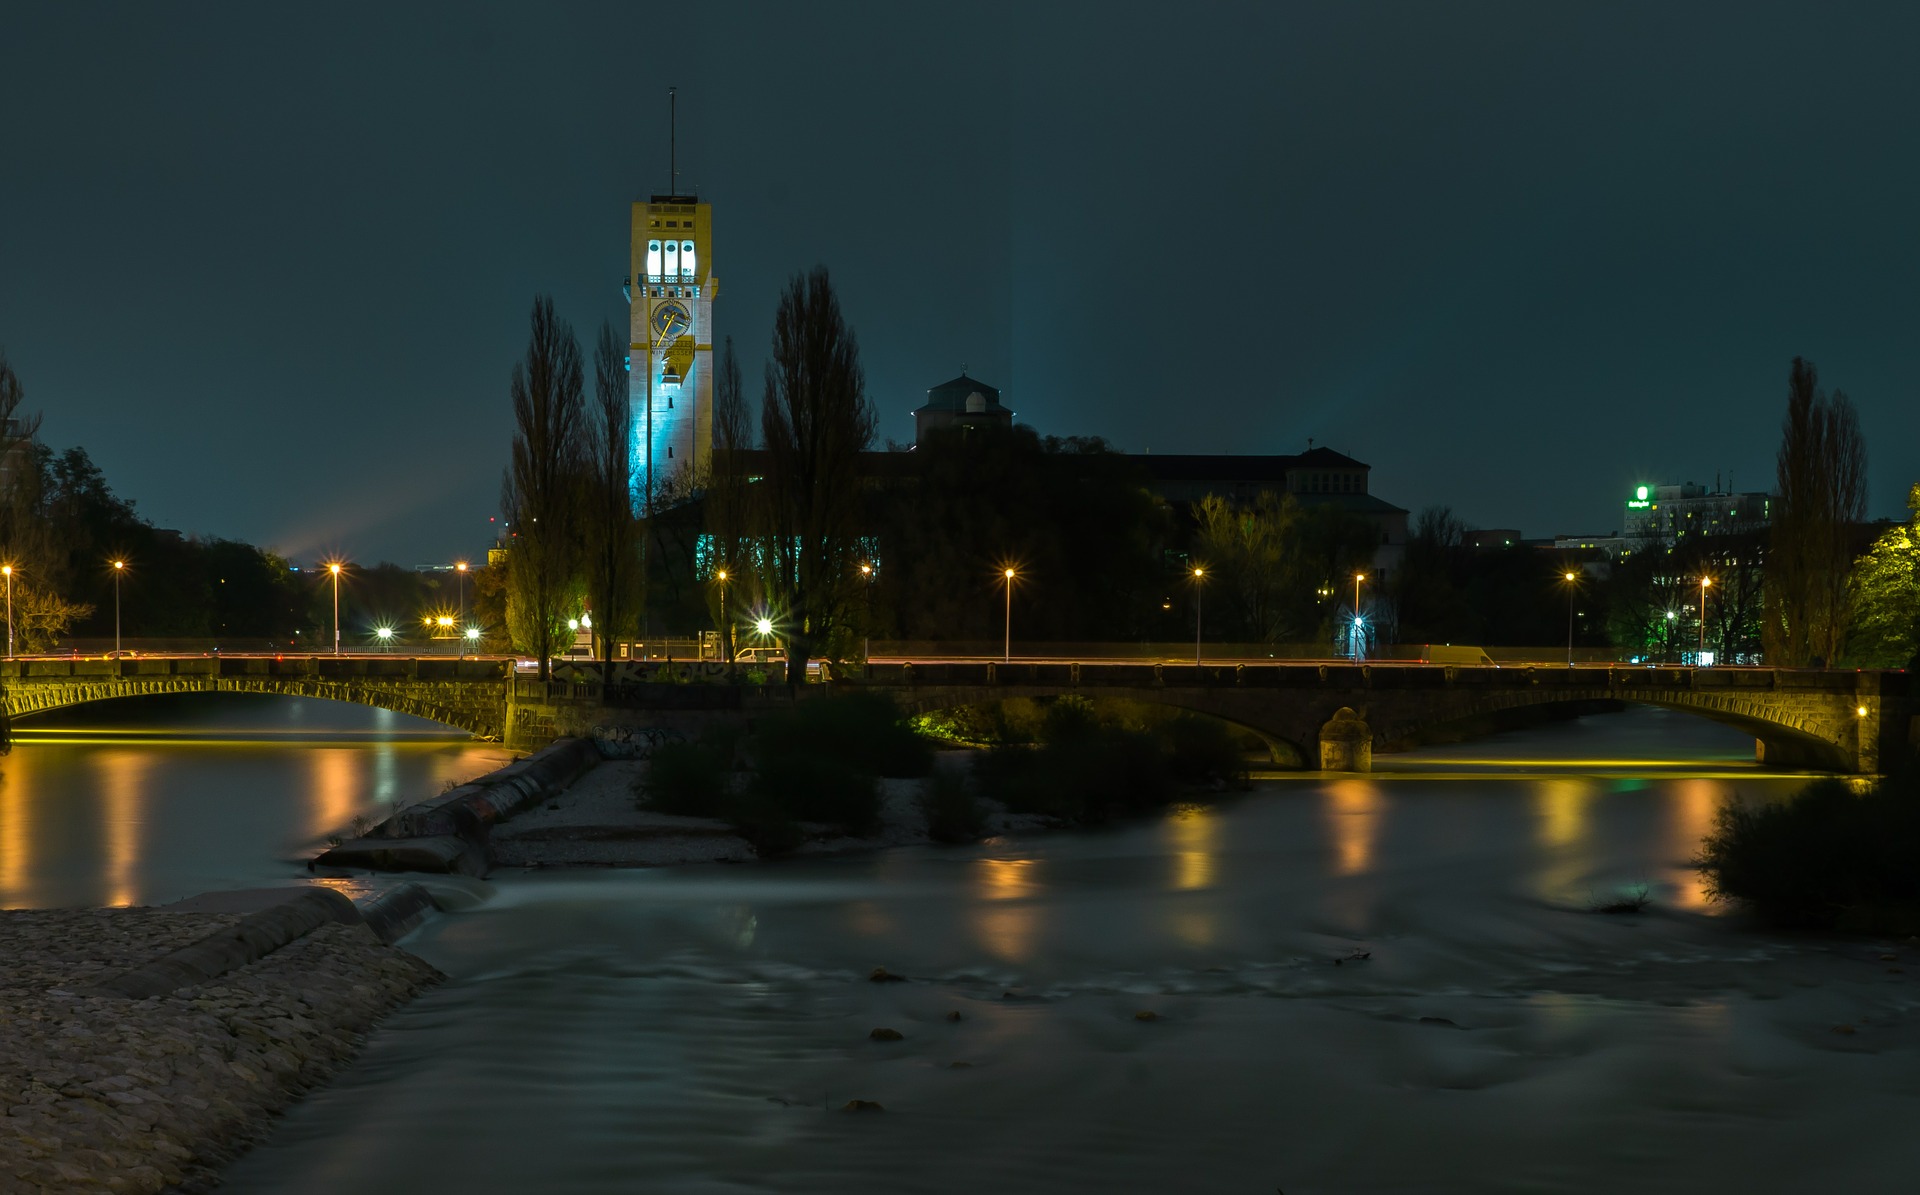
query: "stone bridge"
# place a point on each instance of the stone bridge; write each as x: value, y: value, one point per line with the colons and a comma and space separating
x: 472, y: 695
x: 1830, y: 720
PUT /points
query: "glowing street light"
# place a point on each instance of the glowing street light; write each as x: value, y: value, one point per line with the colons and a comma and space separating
x: 1698, y: 659
x: 866, y: 647
x: 573, y: 624
x: 1199, y: 575
x: 1358, y: 649
x: 473, y: 637
x: 334, y: 568
x: 385, y: 636
x: 119, y: 567
x: 764, y: 626
x: 726, y: 621
x: 8, y: 570
x: 1568, y: 578
x: 1007, y: 651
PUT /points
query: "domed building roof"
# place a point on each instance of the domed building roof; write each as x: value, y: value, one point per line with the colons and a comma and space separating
x: 953, y: 396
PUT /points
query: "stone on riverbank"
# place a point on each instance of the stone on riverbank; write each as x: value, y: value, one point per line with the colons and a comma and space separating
x: 104, y: 1093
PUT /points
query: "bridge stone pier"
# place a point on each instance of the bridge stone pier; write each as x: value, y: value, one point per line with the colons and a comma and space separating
x: 1828, y: 720
x: 471, y: 695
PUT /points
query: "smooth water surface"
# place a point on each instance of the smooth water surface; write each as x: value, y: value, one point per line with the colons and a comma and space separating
x: 147, y: 800
x: 698, y: 1029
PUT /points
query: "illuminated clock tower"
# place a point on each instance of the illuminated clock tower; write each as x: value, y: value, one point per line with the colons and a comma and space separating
x: 670, y: 362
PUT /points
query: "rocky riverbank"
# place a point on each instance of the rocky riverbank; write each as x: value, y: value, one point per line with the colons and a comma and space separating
x: 103, y: 1093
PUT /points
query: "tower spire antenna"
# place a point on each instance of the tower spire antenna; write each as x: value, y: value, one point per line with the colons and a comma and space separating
x: 673, y: 141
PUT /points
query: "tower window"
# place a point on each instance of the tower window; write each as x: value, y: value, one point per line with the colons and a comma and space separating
x: 669, y: 454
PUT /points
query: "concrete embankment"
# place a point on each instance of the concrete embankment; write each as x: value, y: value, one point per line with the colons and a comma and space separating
x: 142, y: 1048
x: 449, y: 833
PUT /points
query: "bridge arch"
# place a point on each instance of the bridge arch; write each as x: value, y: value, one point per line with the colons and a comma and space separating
x: 1843, y: 721
x: 466, y: 695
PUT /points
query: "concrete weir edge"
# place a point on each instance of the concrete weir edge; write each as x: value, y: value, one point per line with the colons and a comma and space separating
x: 448, y: 833
x: 389, y: 916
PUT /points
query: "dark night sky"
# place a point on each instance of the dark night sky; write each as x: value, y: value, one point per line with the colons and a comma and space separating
x: 271, y: 266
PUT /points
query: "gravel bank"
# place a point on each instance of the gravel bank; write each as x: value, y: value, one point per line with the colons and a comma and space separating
x: 101, y: 1093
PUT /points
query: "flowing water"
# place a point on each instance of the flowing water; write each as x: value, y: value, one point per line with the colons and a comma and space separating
x: 1386, y: 983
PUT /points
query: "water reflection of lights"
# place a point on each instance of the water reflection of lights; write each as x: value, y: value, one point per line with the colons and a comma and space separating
x: 1693, y: 806
x: 1005, y: 923
x: 1194, y: 832
x: 1007, y: 879
x: 1353, y: 809
x: 1563, y: 823
x: 16, y: 832
x: 123, y: 781
x: 335, y: 791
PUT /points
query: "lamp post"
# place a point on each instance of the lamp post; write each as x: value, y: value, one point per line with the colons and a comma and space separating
x: 1669, y: 649
x: 1699, y: 658
x: 385, y: 636
x: 1357, y: 649
x: 1007, y: 650
x: 119, y: 566
x: 460, y: 571
x: 573, y: 640
x: 473, y: 639
x: 8, y: 570
x: 866, y: 645
x: 726, y: 623
x: 1569, y: 580
x: 335, y: 570
x: 1199, y: 609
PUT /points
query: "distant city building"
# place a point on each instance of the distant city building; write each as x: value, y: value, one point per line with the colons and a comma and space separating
x: 1666, y: 514
x: 670, y: 295
x: 962, y: 403
x: 1494, y: 538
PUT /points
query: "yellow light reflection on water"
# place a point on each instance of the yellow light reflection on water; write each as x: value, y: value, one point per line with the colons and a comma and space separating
x: 334, y: 794
x: 1194, y: 834
x: 1563, y: 820
x: 123, y: 792
x: 16, y: 833
x: 1353, y: 808
x: 1692, y: 809
x: 1005, y: 924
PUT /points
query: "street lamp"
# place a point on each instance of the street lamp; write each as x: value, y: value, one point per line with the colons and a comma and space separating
x: 473, y: 638
x: 460, y: 571
x: 726, y: 622
x: 385, y: 636
x: 335, y: 570
x: 119, y: 567
x: 1357, y: 649
x: 1199, y: 598
x: 573, y: 625
x: 8, y: 570
x: 1697, y: 659
x: 866, y: 646
x: 1569, y: 580
x: 1007, y: 651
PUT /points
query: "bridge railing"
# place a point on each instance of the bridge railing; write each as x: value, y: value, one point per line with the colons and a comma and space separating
x: 324, y: 668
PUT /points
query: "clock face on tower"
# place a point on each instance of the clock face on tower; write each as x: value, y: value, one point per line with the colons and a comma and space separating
x: 670, y: 320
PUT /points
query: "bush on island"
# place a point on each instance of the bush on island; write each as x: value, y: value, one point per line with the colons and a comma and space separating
x: 865, y: 730
x: 815, y: 787
x: 1828, y: 858
x: 690, y: 779
x: 953, y: 813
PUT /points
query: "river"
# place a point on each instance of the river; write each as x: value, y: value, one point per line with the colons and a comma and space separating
x: 1388, y: 983
x: 142, y: 801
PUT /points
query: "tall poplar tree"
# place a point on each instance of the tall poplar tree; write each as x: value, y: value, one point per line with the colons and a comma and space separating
x: 1822, y: 480
x: 613, y: 567
x: 815, y: 420
x: 541, y: 493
